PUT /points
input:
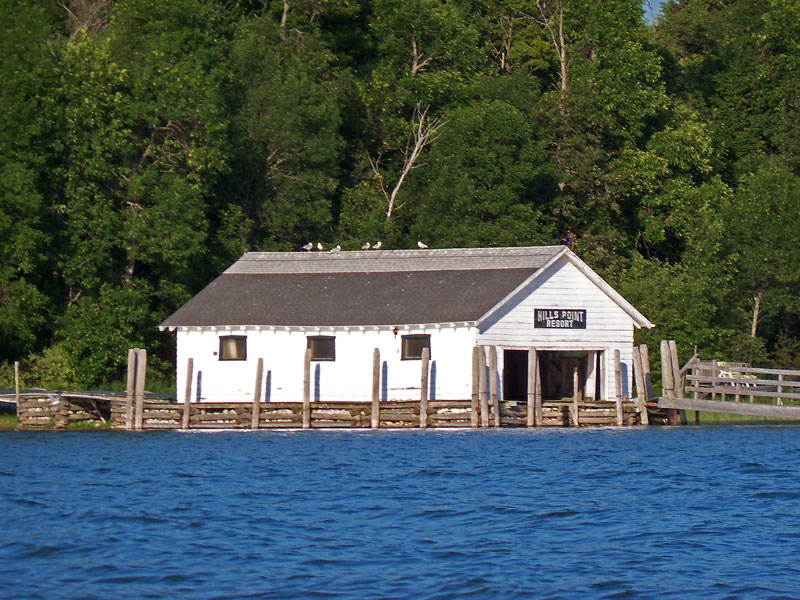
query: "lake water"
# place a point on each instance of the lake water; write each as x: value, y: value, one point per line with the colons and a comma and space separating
x: 693, y: 512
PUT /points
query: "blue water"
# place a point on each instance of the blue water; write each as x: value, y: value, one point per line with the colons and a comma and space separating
x: 693, y: 512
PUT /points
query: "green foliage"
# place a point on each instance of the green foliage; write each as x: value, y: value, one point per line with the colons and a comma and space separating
x: 142, y: 155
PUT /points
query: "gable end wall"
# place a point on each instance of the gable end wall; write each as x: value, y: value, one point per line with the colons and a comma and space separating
x: 563, y: 286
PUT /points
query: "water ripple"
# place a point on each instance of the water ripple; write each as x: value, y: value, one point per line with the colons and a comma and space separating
x: 709, y: 512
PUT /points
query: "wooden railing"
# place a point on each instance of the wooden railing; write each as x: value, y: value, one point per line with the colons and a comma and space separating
x: 738, y: 388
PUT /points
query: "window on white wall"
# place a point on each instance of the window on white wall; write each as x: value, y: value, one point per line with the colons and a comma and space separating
x: 413, y: 345
x: 233, y: 347
x: 323, y: 347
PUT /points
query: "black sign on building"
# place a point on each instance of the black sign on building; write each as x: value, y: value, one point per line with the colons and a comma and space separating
x: 559, y: 318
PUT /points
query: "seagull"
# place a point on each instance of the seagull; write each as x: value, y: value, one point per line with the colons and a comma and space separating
x: 308, y: 246
x: 421, y: 246
x: 366, y: 246
x: 319, y: 246
x: 377, y: 245
x: 336, y: 248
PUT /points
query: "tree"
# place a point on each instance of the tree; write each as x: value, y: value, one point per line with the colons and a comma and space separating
x: 289, y: 119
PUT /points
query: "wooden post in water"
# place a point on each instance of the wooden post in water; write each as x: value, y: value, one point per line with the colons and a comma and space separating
x: 677, y: 378
x: 668, y: 379
x: 575, y: 411
x: 375, y: 413
x: 129, y: 391
x: 618, y: 386
x: 538, y: 395
x: 141, y: 370
x: 476, y: 377
x: 641, y: 387
x: 423, y: 389
x: 187, y: 394
x: 493, y: 391
x: 644, y: 352
x: 533, y: 378
x: 484, y: 394
x: 16, y: 385
x: 307, y: 389
x: 256, y: 412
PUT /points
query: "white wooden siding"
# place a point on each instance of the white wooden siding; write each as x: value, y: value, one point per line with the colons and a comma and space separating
x: 347, y: 378
x: 563, y: 286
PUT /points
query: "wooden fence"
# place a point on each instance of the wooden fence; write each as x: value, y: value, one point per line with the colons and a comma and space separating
x: 737, y: 388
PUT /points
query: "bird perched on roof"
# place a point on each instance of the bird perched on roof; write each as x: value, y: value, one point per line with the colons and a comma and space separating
x: 366, y: 246
x: 308, y: 246
x: 336, y: 248
x: 377, y: 245
x: 319, y: 246
x: 421, y: 246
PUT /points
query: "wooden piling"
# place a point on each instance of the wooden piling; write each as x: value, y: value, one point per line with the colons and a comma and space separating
x: 493, y: 385
x: 533, y: 377
x: 307, y: 389
x: 141, y: 370
x: 677, y: 377
x: 476, y: 376
x: 16, y: 386
x: 423, y: 389
x: 375, y: 414
x: 641, y: 386
x: 644, y: 352
x: 187, y: 394
x: 576, y: 421
x: 484, y: 394
x: 255, y: 415
x: 618, y: 386
x: 668, y: 379
x: 129, y: 391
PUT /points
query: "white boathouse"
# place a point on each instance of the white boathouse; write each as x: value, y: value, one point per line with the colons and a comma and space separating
x: 343, y: 305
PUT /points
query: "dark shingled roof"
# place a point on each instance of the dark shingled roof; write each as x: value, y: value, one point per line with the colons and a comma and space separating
x: 361, y: 288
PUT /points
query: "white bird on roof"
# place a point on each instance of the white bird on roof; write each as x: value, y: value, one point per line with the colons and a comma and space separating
x: 319, y: 246
x: 366, y: 246
x: 377, y: 245
x: 336, y: 248
x: 421, y: 246
x: 308, y: 246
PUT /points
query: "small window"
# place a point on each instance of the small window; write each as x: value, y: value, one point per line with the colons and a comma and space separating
x: 323, y: 347
x: 413, y: 346
x: 233, y: 347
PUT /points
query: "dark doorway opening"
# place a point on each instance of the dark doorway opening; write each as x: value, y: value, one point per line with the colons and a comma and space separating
x: 557, y: 370
x: 515, y: 374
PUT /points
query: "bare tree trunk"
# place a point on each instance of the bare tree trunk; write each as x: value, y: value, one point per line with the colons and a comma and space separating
x: 551, y: 13
x: 418, y: 63
x: 756, y: 310
x: 424, y: 131
x: 284, y: 17
x: 85, y: 16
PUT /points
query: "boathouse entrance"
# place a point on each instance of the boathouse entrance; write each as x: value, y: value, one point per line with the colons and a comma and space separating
x: 515, y: 375
x: 556, y: 370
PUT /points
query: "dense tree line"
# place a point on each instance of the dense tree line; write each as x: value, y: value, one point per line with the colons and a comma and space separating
x: 145, y: 144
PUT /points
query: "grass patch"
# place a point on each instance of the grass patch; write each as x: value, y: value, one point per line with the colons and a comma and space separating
x: 8, y: 418
x: 153, y: 385
x: 714, y: 417
x: 84, y: 425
